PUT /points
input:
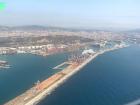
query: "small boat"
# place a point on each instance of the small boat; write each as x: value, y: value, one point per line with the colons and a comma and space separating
x: 4, y: 64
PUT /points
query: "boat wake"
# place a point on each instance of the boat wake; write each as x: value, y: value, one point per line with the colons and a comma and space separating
x: 136, y: 102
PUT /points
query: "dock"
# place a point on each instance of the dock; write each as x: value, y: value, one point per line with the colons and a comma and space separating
x: 41, y: 90
x: 61, y: 65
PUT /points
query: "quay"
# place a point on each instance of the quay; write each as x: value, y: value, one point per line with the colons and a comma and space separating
x: 43, y: 89
x: 61, y: 65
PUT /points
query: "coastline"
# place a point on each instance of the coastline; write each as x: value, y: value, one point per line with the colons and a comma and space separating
x: 30, y: 98
x: 48, y: 91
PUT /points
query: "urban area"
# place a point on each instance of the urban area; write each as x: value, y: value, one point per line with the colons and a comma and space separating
x: 83, y: 45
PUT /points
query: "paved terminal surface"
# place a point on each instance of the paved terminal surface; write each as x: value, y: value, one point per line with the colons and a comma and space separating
x: 39, y: 88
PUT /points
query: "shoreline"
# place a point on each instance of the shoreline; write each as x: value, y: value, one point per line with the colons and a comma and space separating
x: 50, y: 89
x: 51, y: 83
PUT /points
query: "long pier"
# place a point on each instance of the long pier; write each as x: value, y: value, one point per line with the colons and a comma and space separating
x: 50, y: 84
x: 68, y: 73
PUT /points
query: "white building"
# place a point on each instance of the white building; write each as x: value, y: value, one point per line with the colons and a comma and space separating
x: 90, y: 51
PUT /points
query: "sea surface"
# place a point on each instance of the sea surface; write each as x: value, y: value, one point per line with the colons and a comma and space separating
x: 25, y: 71
x: 113, y: 78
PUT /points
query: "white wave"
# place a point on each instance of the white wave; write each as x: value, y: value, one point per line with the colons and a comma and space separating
x: 136, y: 102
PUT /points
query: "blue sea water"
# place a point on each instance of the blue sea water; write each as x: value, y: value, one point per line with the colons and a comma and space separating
x: 112, y: 78
x: 26, y: 69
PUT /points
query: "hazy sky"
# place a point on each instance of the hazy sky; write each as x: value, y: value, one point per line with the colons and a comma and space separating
x: 72, y: 13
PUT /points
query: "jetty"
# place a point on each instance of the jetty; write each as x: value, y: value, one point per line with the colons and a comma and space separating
x: 60, y: 66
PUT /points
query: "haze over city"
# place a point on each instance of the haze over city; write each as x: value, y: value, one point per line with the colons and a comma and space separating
x: 115, y: 14
x: 69, y: 52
